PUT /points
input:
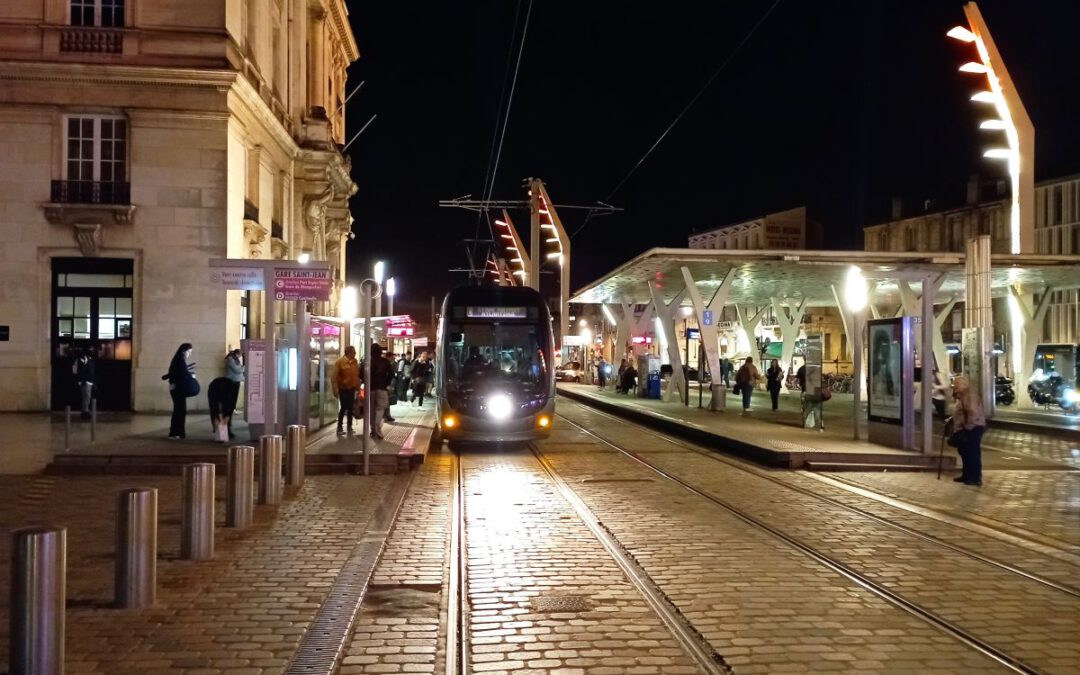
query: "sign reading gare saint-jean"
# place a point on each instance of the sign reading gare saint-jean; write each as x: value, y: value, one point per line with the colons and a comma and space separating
x: 288, y: 283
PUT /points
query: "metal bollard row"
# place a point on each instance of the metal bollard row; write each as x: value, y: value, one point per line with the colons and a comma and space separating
x: 240, y: 495
x: 296, y: 448
x: 38, y: 596
x: 197, y: 515
x: 136, y: 548
x: 270, y: 470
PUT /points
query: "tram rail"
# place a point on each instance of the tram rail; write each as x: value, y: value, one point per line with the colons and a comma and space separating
x: 949, y: 627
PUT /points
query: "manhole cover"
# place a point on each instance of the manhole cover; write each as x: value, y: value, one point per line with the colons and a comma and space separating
x: 561, y: 603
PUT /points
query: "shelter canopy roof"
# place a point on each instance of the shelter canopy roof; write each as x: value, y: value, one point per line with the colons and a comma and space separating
x: 761, y: 276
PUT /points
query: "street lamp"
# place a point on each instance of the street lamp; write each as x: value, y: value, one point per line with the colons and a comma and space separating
x: 1012, y: 119
x: 391, y: 291
x: 379, y: 277
x: 856, y: 294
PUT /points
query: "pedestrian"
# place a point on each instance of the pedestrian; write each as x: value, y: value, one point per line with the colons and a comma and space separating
x: 937, y: 395
x: 800, y: 377
x: 85, y: 376
x: 745, y: 381
x: 182, y: 385
x: 234, y: 372
x: 345, y: 380
x: 601, y: 371
x: 773, y: 376
x: 404, y: 376
x: 378, y: 394
x: 725, y: 372
x: 392, y: 389
x: 421, y: 373
x: 628, y: 379
x: 222, y: 405
x: 969, y: 423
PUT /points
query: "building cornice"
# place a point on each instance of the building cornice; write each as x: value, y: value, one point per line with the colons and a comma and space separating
x: 340, y: 13
x: 251, y: 100
x: 113, y: 74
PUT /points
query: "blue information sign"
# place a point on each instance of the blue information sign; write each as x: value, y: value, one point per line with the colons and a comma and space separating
x: 707, y: 317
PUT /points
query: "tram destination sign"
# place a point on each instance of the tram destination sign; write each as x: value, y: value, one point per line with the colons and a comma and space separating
x: 497, y: 312
x: 301, y: 284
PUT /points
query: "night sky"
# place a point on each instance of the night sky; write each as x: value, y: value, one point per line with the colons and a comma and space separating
x: 835, y: 104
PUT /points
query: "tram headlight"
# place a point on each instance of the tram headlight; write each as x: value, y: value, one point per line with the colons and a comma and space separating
x: 499, y: 406
x: 449, y: 422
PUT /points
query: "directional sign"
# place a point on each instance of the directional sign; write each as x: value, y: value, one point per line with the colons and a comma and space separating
x: 301, y: 284
x: 707, y: 317
x: 237, y: 278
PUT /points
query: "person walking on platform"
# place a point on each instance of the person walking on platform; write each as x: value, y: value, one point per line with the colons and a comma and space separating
x: 378, y: 390
x: 745, y: 381
x: 404, y: 376
x: 773, y: 376
x: 969, y: 423
x: 392, y: 389
x: 346, y: 381
x: 421, y: 374
x: 601, y: 372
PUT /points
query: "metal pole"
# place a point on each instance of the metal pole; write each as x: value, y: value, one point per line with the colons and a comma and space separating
x: 929, y: 380
x: 535, y: 255
x: 197, y: 517
x: 67, y: 428
x: 38, y: 596
x: 239, y: 493
x: 857, y: 379
x: 93, y: 420
x: 136, y: 548
x: 270, y: 470
x: 295, y: 447
x: 269, y: 383
x: 686, y: 339
x: 365, y: 313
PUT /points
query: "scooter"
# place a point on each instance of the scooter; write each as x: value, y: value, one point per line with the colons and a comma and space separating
x: 1004, y: 394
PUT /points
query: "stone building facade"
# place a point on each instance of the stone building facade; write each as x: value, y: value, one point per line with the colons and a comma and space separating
x: 772, y: 232
x: 142, y: 138
x: 1057, y: 232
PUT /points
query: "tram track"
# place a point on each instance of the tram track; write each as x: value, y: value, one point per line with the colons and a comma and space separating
x: 894, y: 598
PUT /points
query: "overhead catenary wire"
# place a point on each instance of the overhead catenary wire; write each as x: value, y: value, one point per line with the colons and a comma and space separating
x: 493, y: 168
x: 686, y: 108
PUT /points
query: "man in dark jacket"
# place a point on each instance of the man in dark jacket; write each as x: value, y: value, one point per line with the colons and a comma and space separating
x: 378, y: 394
x: 85, y: 376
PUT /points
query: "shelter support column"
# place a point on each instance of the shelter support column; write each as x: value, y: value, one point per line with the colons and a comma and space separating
x: 666, y: 327
x: 1026, y: 320
x: 750, y: 322
x: 709, y: 338
x: 790, y: 319
x: 978, y: 311
x: 623, y: 317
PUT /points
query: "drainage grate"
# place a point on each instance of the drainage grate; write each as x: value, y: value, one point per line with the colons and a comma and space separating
x: 552, y: 604
x: 323, y: 644
x: 785, y: 445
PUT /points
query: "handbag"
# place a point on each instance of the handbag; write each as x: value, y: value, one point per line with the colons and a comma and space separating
x: 958, y: 438
x: 190, y: 387
x: 826, y: 393
x: 737, y: 390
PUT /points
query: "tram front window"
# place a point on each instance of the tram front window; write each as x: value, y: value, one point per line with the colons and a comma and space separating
x: 489, y: 354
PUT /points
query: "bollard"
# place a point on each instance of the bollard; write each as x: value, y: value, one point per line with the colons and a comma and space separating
x: 38, y: 596
x: 239, y: 497
x: 197, y: 519
x: 93, y: 420
x: 67, y: 428
x: 295, y: 450
x: 270, y: 469
x: 136, y: 548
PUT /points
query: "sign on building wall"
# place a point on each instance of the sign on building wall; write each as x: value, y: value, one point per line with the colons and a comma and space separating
x: 237, y: 278
x: 302, y: 284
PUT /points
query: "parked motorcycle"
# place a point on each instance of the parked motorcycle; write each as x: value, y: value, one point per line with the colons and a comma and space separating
x: 1053, y: 390
x: 1004, y: 394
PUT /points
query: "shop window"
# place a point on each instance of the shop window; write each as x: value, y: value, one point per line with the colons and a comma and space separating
x: 97, y: 13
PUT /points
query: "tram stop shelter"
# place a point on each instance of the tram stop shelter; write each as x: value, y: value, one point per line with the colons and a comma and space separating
x: 923, y: 285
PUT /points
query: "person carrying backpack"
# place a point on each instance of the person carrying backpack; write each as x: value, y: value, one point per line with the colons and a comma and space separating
x: 745, y: 381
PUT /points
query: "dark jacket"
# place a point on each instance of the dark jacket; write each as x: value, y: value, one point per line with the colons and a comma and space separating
x: 421, y: 370
x: 85, y: 371
x: 382, y: 373
x: 773, y: 377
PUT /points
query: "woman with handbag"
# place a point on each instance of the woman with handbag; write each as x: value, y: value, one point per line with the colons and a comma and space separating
x: 773, y: 376
x: 182, y: 385
x: 969, y: 423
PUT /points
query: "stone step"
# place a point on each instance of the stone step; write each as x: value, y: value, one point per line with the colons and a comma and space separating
x: 875, y: 466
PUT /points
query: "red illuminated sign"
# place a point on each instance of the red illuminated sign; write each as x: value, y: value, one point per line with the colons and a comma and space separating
x: 400, y: 331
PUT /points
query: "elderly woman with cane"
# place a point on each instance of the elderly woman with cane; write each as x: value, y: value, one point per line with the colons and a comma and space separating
x: 969, y: 424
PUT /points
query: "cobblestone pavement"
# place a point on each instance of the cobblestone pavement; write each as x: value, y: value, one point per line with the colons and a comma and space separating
x: 1012, y: 444
x: 240, y: 614
x: 762, y: 604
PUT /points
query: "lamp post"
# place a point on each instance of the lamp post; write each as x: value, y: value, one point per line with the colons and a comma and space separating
x: 369, y: 290
x: 855, y: 297
x: 391, y: 291
x: 379, y: 276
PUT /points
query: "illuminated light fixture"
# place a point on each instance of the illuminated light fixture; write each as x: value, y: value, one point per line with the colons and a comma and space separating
x: 552, y: 241
x: 304, y: 258
x: 985, y: 97
x: 543, y: 421
x: 507, y: 236
x: 552, y: 256
x: 544, y: 211
x: 449, y: 421
x: 546, y: 226
x: 998, y: 153
x: 500, y: 222
x: 516, y: 260
x: 347, y: 304
x: 583, y: 322
x: 380, y: 272
x: 993, y: 125
x: 519, y: 273
x: 391, y: 287
x: 972, y: 67
x: 962, y: 34
x: 855, y: 289
x: 499, y: 406
x: 607, y: 314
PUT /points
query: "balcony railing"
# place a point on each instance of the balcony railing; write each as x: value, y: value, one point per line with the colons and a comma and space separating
x: 92, y: 40
x: 90, y: 192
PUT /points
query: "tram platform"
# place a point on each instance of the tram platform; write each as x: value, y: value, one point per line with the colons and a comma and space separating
x: 148, y: 451
x: 773, y: 439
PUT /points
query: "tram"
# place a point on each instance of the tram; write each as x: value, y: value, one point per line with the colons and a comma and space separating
x: 494, y: 375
